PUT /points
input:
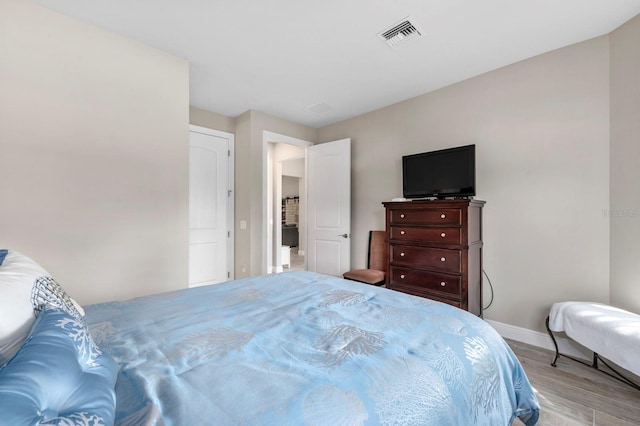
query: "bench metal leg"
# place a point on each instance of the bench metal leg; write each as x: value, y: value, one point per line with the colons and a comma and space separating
x: 618, y: 376
x: 546, y: 323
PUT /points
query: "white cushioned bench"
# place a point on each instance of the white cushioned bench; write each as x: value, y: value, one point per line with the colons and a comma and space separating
x: 609, y: 332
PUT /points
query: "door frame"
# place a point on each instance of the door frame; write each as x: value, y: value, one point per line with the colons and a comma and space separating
x: 267, y: 239
x: 230, y: 193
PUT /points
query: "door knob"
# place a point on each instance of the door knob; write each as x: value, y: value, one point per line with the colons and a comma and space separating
x: 345, y: 235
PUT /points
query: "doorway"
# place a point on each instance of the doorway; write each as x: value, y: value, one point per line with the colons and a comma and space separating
x: 293, y: 226
x: 286, y: 231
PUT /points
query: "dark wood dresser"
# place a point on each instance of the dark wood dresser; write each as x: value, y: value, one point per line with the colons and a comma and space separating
x: 435, y: 250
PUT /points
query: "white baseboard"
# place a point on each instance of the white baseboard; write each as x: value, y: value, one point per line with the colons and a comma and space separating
x: 541, y: 340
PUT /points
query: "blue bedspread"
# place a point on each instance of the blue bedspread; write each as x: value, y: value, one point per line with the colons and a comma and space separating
x: 301, y: 348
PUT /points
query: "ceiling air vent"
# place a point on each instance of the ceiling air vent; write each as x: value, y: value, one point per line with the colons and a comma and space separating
x: 319, y: 108
x: 401, y: 33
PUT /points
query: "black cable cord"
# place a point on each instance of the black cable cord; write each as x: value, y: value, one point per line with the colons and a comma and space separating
x: 491, y: 287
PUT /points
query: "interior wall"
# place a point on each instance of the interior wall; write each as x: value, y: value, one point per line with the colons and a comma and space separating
x: 294, y: 168
x: 541, y: 129
x: 243, y: 168
x: 290, y: 186
x: 624, y: 212
x: 211, y: 120
x: 94, y: 154
x: 251, y: 194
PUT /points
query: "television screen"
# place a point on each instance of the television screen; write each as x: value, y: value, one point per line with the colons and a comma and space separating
x: 444, y: 173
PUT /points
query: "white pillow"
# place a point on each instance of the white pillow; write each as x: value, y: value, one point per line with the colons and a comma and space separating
x: 18, y: 275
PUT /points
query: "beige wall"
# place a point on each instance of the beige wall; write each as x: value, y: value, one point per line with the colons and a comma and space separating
x: 625, y: 165
x: 94, y: 155
x: 541, y: 129
x: 245, y: 193
x: 211, y: 120
x: 290, y: 186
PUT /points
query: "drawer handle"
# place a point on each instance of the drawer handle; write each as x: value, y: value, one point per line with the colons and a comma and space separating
x: 443, y: 283
x: 402, y: 216
x: 442, y: 259
x: 443, y: 235
x: 402, y: 276
x: 402, y: 232
x: 401, y: 254
x: 442, y: 216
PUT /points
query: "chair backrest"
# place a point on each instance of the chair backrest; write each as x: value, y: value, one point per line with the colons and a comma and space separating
x: 377, y: 251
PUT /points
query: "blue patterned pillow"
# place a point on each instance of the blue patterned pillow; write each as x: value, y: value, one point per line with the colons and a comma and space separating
x: 25, y: 289
x: 58, y: 376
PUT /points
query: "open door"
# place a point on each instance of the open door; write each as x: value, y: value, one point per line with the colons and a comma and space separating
x: 329, y: 207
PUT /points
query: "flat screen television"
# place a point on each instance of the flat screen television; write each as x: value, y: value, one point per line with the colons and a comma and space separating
x: 444, y: 173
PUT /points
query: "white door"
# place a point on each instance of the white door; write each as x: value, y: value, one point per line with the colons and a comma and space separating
x: 210, y: 206
x: 329, y: 207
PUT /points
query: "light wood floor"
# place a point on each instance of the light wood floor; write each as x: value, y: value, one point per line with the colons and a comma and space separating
x: 297, y: 261
x: 574, y: 394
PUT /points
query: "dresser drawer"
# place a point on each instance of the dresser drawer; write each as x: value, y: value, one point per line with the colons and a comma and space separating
x: 420, y: 292
x: 420, y: 281
x: 426, y: 235
x: 428, y: 258
x: 427, y: 216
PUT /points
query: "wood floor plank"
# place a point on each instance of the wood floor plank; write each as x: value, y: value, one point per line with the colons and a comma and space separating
x: 573, y: 394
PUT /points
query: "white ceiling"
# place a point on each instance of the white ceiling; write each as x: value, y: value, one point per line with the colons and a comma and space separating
x: 282, y: 56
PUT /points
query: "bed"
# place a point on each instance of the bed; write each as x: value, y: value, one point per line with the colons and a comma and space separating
x: 301, y: 348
